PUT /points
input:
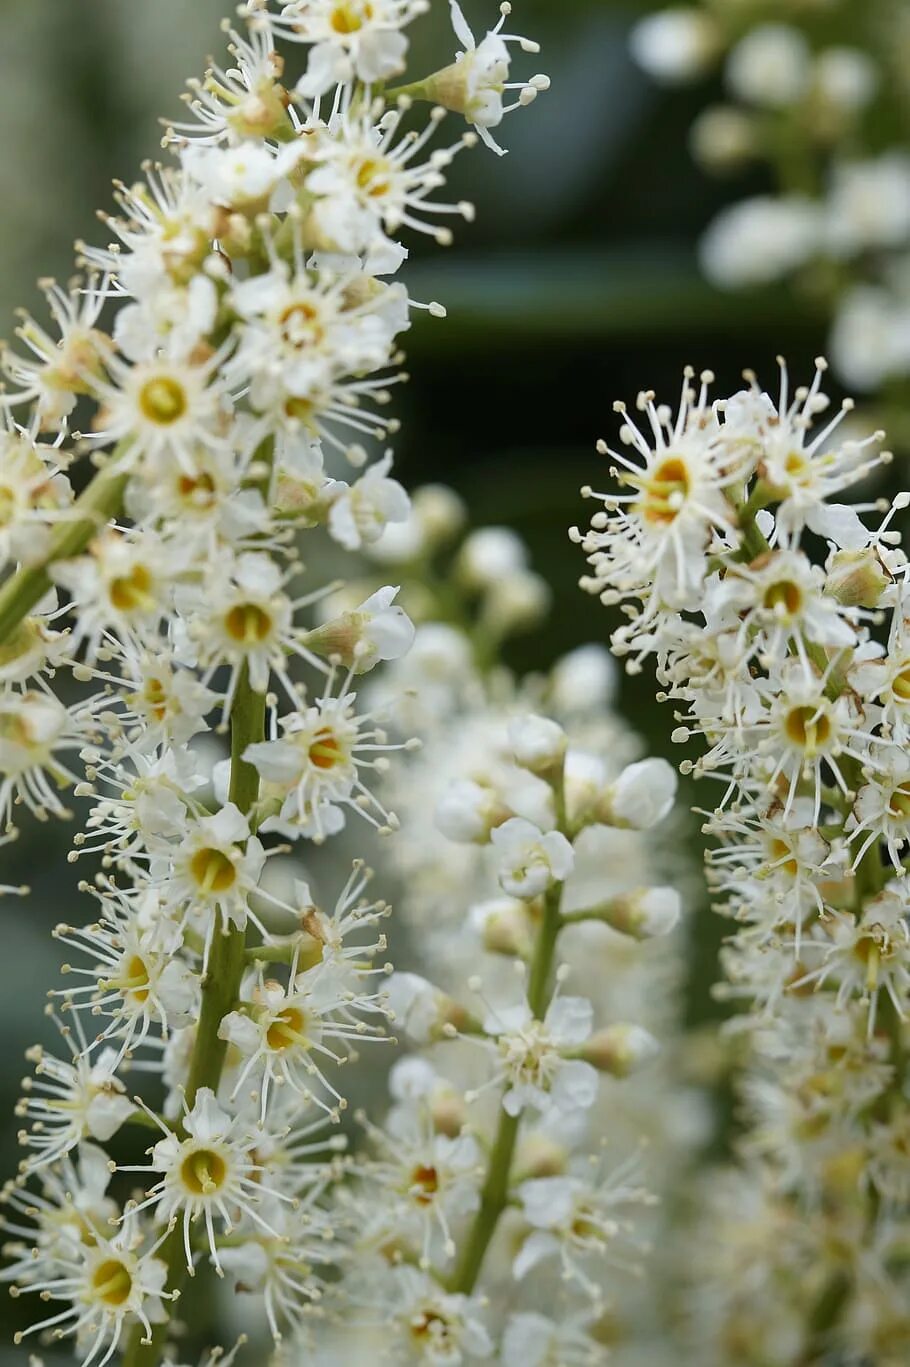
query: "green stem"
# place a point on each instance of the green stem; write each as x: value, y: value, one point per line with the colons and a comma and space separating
x: 97, y: 504
x: 220, y: 990
x: 495, y: 1195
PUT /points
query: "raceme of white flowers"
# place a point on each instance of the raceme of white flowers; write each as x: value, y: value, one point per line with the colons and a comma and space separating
x: 778, y: 619
x: 226, y: 368
x: 476, y: 805
x: 828, y: 119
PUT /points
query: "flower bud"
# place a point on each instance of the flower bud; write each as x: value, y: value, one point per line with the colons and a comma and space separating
x: 641, y: 796
x: 422, y: 1010
x: 770, y: 66
x: 377, y: 630
x: 516, y: 603
x: 540, y: 1155
x: 644, y: 914
x: 723, y: 138
x: 439, y: 512
x: 857, y: 579
x: 489, y: 556
x: 620, y: 1049
x: 468, y: 812
x: 537, y: 743
x: 504, y: 926
x: 676, y: 45
x: 583, y: 679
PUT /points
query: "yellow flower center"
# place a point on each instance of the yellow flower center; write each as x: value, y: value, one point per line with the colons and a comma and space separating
x: 901, y: 685
x: 325, y: 750
x: 899, y: 802
x: 287, y: 1030
x: 163, y: 400
x: 198, y: 491
x: 248, y: 624
x: 203, y: 1172
x: 665, y: 492
x: 808, y: 727
x: 779, y: 851
x: 111, y: 1282
x: 212, y: 870
x: 132, y: 592
x: 430, y: 1324
x: 373, y: 177
x: 784, y: 599
x: 7, y: 505
x: 350, y: 17
x: 424, y: 1183
x: 135, y: 979
x: 301, y: 326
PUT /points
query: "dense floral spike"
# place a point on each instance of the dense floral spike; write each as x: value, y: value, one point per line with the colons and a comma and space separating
x: 232, y: 351
x: 781, y: 649
x: 531, y: 1032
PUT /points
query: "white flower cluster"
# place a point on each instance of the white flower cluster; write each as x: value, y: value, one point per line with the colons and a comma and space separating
x: 829, y: 121
x: 229, y: 360
x: 778, y: 620
x: 528, y: 815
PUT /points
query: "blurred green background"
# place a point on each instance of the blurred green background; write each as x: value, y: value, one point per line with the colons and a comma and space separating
x: 576, y: 285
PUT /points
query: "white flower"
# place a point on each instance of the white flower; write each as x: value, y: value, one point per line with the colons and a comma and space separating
x: 870, y: 339
x: 645, y: 913
x: 35, y: 731
x: 676, y: 45
x: 241, y: 615
x: 245, y: 100
x: 532, y: 1340
x: 304, y: 331
x: 122, y: 587
x: 164, y: 410
x: 620, y: 1049
x: 871, y: 955
x: 770, y: 66
x: 34, y: 495
x: 529, y: 860
x: 377, y: 629
x: 112, y: 1284
x: 243, y: 177
x: 215, y: 868
x: 206, y: 1174
x: 282, y: 1032
x: 433, y: 1326
x: 138, y: 977
x: 761, y: 239
x: 59, y: 369
x: 71, y: 1101
x: 425, y: 1181
x: 318, y: 765
x: 475, y: 83
x: 575, y: 1220
x: 537, y: 1059
x: 658, y: 536
x: 361, y: 513
x: 868, y: 206
x: 846, y: 77
x: 349, y: 39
